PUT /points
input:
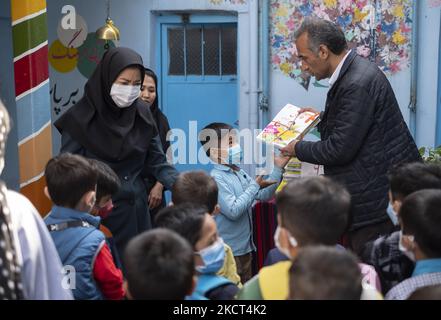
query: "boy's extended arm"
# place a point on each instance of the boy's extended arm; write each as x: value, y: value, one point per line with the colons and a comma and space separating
x: 70, y: 145
x: 267, y: 193
x: 231, y: 206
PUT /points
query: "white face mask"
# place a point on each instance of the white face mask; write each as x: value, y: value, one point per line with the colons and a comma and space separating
x: 292, y: 241
x: 403, y: 249
x: 123, y: 95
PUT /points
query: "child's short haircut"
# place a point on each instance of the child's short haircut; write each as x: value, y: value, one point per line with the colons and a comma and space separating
x: 325, y: 273
x: 185, y: 219
x: 314, y: 210
x: 420, y: 215
x: 408, y: 178
x: 69, y: 177
x: 195, y: 187
x: 108, y: 182
x: 213, y: 131
x: 159, y: 266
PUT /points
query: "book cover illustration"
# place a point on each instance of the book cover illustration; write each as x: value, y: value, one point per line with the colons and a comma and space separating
x: 288, y: 125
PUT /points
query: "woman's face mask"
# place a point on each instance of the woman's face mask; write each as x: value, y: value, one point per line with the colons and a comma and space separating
x: 124, y: 95
x: 213, y: 257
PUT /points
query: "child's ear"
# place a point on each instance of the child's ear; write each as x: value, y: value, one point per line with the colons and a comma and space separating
x: 88, y: 200
x: 127, y: 291
x: 193, y: 285
x: 216, y: 210
x: 46, y: 193
x: 396, y: 205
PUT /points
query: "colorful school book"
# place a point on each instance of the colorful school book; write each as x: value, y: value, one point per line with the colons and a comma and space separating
x: 297, y: 169
x: 288, y: 126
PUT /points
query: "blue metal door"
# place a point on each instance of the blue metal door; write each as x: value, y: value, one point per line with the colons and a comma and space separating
x: 199, y: 82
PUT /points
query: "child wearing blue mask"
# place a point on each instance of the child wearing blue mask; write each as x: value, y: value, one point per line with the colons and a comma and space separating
x: 237, y: 192
x: 198, y: 227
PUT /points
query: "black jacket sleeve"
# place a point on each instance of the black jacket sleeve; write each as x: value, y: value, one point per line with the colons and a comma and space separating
x: 353, y: 119
x: 156, y: 164
x: 70, y: 145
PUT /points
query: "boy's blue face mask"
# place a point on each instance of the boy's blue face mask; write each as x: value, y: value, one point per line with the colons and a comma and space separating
x: 392, y: 214
x: 213, y: 257
x: 235, y: 155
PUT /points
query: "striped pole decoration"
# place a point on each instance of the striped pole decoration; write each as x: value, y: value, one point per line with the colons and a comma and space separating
x: 31, y: 72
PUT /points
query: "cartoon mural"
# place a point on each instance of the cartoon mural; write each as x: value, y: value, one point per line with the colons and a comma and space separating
x: 76, y: 48
x: 377, y: 29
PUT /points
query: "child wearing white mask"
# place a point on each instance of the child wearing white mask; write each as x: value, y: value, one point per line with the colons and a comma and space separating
x: 196, y: 225
x: 313, y: 211
x: 392, y: 265
x: 420, y: 240
x: 237, y: 191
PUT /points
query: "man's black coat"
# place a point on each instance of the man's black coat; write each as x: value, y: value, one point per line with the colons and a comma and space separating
x: 363, y: 134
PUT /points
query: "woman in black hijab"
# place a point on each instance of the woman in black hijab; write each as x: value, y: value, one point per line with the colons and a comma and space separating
x: 149, y: 94
x: 112, y: 125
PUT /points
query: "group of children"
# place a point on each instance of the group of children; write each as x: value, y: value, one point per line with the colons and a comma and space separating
x: 201, y: 245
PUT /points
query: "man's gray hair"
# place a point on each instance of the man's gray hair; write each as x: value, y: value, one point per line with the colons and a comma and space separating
x: 323, y: 32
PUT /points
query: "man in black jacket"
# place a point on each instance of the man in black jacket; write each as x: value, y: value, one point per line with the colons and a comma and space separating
x: 363, y: 132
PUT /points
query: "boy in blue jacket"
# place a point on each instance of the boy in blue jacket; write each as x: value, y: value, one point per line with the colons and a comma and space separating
x: 237, y: 192
x: 71, y: 185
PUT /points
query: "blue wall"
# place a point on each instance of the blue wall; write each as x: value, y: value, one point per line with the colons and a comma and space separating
x: 7, y: 94
x: 428, y: 49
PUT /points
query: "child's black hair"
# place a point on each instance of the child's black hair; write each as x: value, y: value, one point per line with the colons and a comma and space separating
x: 159, y: 266
x: 108, y: 182
x: 420, y: 215
x: 214, y: 131
x: 427, y: 293
x: 185, y: 219
x: 410, y: 177
x: 325, y: 273
x: 195, y: 187
x: 69, y: 177
x: 314, y: 210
